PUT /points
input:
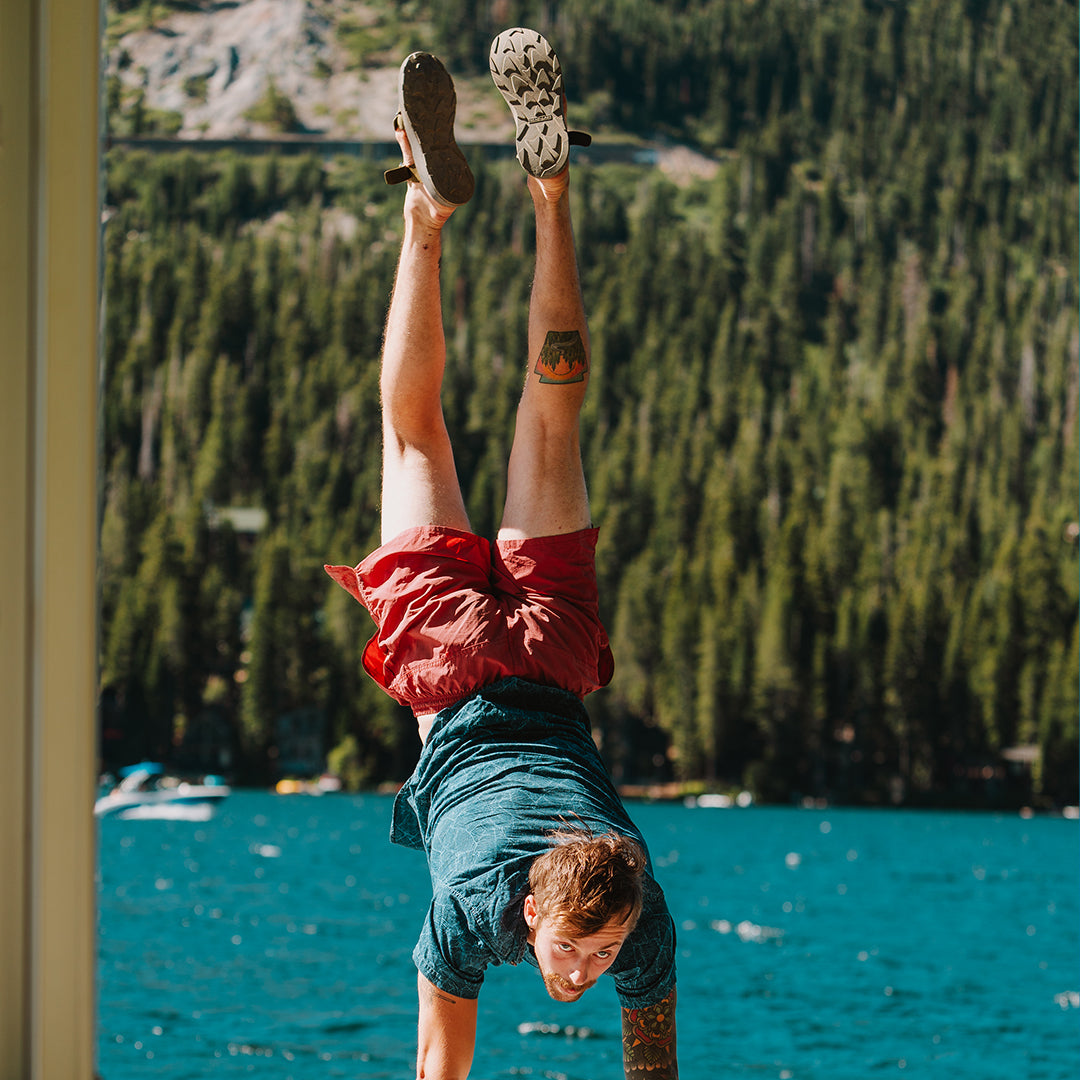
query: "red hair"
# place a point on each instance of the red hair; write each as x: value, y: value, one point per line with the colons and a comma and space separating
x: 585, y: 882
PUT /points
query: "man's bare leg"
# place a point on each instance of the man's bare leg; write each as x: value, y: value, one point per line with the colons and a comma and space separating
x: 546, y: 492
x: 419, y: 485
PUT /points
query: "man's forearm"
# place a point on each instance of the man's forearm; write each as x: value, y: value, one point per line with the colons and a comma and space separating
x: 649, y: 1041
x: 447, y: 1033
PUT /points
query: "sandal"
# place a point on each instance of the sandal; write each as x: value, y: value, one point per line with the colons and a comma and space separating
x: 527, y: 73
x: 426, y: 107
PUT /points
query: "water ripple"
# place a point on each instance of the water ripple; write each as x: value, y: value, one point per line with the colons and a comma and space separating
x: 265, y: 942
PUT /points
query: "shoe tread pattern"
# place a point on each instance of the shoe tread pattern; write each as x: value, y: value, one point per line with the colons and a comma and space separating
x: 429, y: 105
x: 527, y: 73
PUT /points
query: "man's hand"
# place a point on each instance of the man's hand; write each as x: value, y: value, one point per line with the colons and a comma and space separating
x: 649, y: 1041
x: 447, y: 1036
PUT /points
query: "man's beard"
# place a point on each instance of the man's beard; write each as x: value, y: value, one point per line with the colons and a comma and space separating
x: 560, y: 989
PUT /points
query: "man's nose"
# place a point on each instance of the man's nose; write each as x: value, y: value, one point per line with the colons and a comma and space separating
x: 581, y: 975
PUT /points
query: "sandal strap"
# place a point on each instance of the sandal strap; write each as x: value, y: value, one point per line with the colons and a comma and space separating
x: 579, y: 138
x: 401, y: 174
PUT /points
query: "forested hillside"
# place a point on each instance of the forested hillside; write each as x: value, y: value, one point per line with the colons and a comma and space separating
x: 831, y: 435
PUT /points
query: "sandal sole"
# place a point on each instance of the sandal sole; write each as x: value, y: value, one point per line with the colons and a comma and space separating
x: 527, y: 73
x: 428, y: 104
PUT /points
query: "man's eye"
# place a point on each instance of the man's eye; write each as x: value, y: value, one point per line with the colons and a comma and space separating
x: 603, y: 954
x: 564, y: 946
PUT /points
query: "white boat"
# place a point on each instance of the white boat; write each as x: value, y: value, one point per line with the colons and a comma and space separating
x: 147, y: 791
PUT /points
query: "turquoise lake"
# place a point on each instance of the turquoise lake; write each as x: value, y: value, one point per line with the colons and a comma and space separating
x: 275, y: 941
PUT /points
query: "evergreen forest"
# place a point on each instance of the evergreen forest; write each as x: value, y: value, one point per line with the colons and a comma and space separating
x: 831, y: 435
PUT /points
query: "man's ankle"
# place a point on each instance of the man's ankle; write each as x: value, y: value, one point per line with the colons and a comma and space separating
x: 423, y: 214
x: 421, y: 233
x: 553, y: 188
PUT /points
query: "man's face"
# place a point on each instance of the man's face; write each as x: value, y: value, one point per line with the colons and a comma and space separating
x: 570, y: 965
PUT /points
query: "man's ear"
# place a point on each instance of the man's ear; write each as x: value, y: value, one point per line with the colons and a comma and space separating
x: 532, y: 916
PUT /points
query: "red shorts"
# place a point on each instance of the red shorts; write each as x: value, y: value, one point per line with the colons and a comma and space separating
x: 456, y: 612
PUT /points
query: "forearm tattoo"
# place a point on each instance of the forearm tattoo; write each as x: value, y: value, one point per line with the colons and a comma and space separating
x: 563, y: 358
x: 435, y: 994
x: 649, y: 1040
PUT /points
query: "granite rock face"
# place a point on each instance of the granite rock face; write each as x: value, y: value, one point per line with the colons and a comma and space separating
x: 215, y: 64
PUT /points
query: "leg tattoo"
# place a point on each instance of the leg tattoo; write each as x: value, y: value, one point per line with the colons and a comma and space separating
x: 563, y: 358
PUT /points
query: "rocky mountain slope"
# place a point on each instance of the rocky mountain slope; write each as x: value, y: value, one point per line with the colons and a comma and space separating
x: 214, y: 63
x: 257, y: 68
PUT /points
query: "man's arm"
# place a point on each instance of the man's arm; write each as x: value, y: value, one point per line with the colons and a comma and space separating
x: 447, y: 1034
x: 649, y: 1041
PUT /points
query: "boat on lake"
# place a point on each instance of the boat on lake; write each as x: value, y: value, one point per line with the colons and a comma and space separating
x: 146, y: 790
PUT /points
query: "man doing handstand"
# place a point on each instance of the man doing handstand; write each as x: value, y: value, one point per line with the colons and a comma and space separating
x: 493, y: 645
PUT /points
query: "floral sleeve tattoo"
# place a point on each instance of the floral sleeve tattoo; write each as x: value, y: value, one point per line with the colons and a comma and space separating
x: 649, y: 1040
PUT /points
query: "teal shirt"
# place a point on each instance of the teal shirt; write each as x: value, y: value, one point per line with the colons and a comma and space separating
x: 499, y: 772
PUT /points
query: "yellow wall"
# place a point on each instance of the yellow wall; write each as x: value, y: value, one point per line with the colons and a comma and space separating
x: 49, y: 303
